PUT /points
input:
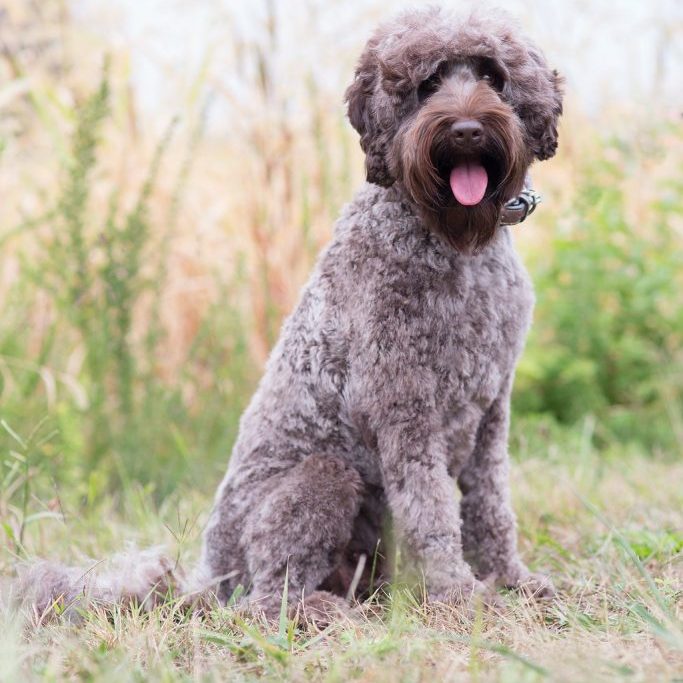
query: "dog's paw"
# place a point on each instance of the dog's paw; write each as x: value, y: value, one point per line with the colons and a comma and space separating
x: 321, y: 609
x: 530, y: 584
x: 537, y: 586
x: 316, y: 611
x: 468, y: 595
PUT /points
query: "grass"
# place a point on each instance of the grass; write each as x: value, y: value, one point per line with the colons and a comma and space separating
x: 609, y: 531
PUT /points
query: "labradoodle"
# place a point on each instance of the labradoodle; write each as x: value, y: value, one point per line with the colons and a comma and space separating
x: 391, y: 379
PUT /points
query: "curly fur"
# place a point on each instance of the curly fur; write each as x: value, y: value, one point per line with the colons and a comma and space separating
x: 392, y: 377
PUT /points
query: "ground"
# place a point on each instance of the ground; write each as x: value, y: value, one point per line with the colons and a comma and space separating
x: 608, y: 528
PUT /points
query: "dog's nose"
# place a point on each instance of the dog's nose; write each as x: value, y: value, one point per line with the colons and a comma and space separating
x: 468, y: 133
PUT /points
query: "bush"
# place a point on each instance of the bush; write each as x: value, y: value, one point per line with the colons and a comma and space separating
x: 608, y: 329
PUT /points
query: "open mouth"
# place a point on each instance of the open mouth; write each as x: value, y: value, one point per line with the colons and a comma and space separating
x: 468, y: 180
x: 471, y: 179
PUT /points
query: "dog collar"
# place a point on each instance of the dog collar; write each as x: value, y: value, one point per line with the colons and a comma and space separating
x: 517, y: 209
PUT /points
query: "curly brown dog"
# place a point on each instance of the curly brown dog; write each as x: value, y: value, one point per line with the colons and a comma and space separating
x: 391, y: 379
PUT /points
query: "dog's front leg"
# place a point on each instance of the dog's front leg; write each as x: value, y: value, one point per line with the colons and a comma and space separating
x: 488, y: 520
x: 421, y: 497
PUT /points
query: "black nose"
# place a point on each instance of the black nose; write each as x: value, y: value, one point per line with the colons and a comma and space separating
x: 468, y: 134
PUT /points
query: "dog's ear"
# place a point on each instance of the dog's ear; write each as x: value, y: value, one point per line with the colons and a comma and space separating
x: 541, y: 118
x: 546, y: 139
x: 373, y: 140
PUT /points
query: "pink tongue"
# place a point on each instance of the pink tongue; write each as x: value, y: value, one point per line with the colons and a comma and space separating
x: 468, y: 182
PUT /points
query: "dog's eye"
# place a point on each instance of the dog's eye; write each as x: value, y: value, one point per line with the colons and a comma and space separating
x: 492, y: 79
x: 489, y: 75
x: 428, y: 87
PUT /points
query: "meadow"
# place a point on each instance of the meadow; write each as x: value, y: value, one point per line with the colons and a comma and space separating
x: 146, y: 265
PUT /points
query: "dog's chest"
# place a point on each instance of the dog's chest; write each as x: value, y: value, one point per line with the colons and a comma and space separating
x: 483, y: 315
x: 480, y: 316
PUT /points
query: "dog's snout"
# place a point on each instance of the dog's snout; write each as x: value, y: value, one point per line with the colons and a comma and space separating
x: 468, y: 134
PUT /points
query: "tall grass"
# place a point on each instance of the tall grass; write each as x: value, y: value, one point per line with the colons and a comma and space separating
x: 89, y: 324
x: 139, y: 355
x: 95, y: 269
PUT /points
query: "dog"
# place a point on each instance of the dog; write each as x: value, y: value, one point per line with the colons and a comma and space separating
x: 391, y: 380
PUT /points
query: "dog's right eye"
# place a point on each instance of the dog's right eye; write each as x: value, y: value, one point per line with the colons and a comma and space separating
x: 428, y: 87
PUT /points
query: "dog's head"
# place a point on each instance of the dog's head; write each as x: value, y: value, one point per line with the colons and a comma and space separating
x: 454, y: 111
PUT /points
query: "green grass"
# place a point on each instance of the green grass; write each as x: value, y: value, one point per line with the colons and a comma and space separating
x: 609, y: 531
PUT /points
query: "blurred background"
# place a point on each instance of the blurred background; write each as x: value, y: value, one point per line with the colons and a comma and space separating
x: 170, y: 169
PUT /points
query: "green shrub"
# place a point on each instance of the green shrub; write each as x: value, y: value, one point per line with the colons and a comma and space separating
x: 608, y: 328
x: 120, y: 422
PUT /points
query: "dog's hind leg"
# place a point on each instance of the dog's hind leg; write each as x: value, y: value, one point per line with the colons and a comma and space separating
x: 300, y: 531
x: 364, y: 568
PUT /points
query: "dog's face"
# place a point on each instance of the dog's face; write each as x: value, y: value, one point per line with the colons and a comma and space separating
x: 455, y: 112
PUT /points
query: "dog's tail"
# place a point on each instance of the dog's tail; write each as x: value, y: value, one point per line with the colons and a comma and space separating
x: 46, y: 589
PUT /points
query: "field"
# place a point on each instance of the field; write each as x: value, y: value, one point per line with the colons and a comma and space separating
x: 147, y: 261
x: 607, y: 529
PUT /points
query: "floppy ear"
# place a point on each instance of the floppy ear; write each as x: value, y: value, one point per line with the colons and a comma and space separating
x: 373, y: 140
x: 541, y: 117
